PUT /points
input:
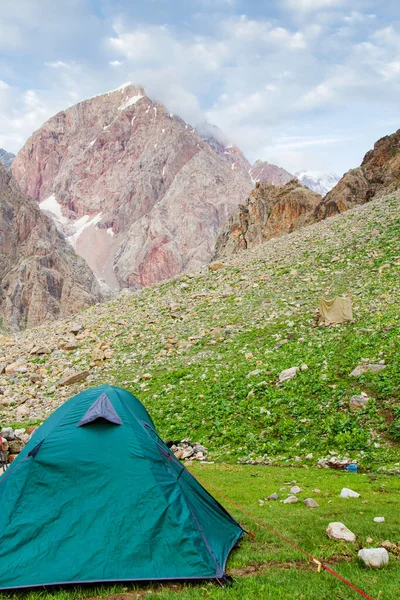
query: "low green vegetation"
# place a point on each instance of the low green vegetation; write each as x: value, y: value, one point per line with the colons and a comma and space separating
x: 215, y: 356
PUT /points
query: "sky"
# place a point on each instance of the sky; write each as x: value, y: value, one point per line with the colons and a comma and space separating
x: 305, y: 84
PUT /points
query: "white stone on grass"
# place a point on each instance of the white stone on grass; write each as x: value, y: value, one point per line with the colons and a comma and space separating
x: 338, y: 531
x: 379, y: 519
x: 374, y: 557
x: 348, y: 493
x: 291, y: 500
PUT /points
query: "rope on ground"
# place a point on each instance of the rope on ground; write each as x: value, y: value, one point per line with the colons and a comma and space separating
x: 319, y: 564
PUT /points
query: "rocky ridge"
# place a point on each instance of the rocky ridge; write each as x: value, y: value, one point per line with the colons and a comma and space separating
x: 137, y: 191
x: 379, y: 174
x: 40, y: 275
x: 205, y: 351
x: 268, y: 213
x: 6, y: 158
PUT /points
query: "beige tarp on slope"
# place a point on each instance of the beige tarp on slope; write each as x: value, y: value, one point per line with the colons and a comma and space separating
x: 335, y: 311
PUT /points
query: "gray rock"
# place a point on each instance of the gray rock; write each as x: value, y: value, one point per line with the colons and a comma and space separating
x: 374, y: 557
x: 311, y: 503
x: 8, y: 433
x: 338, y: 531
x: 71, y: 343
x: 76, y: 328
x: 274, y: 496
x: 379, y: 519
x: 74, y: 378
x: 200, y: 448
x: 295, y: 489
x: 35, y: 377
x: 287, y: 374
x: 358, y: 401
x: 360, y: 369
x: 291, y: 500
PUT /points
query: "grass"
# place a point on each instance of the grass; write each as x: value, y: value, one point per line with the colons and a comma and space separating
x: 266, y: 566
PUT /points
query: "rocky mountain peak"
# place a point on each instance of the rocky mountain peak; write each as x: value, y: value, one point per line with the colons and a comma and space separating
x: 138, y: 192
x: 318, y: 181
x: 379, y: 174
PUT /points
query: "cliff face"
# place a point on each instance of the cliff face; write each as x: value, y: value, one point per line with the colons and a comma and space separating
x: 378, y: 175
x: 40, y: 275
x: 140, y: 195
x: 269, y: 212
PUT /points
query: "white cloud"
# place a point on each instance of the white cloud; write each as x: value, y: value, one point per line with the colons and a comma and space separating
x: 59, y: 64
x: 313, y: 5
x: 277, y: 85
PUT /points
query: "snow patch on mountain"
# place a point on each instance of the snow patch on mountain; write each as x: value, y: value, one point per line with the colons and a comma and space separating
x: 318, y: 181
x: 130, y: 101
x: 70, y: 228
x: 50, y: 205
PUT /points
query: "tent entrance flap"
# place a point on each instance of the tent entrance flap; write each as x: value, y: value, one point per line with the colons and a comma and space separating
x: 101, y: 409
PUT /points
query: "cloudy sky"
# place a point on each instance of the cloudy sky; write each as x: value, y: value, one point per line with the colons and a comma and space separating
x: 306, y: 84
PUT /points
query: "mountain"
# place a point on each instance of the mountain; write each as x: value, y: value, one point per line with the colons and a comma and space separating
x: 6, y: 158
x: 220, y: 143
x: 263, y: 171
x: 138, y: 192
x: 378, y: 175
x: 268, y: 213
x: 40, y: 275
x: 318, y: 181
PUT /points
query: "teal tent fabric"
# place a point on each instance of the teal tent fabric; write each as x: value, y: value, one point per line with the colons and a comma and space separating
x: 106, y: 502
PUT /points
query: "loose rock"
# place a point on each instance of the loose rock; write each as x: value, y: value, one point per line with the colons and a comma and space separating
x: 348, y: 493
x: 338, y: 531
x: 374, y: 557
x: 360, y: 369
x: 291, y: 500
x: 358, y: 401
x: 70, y: 379
x: 287, y: 374
x: 311, y: 503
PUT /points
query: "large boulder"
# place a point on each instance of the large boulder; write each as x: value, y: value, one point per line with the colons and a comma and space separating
x: 374, y: 557
x: 338, y: 531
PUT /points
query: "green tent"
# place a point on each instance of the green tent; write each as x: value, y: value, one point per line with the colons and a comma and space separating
x: 96, y: 496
